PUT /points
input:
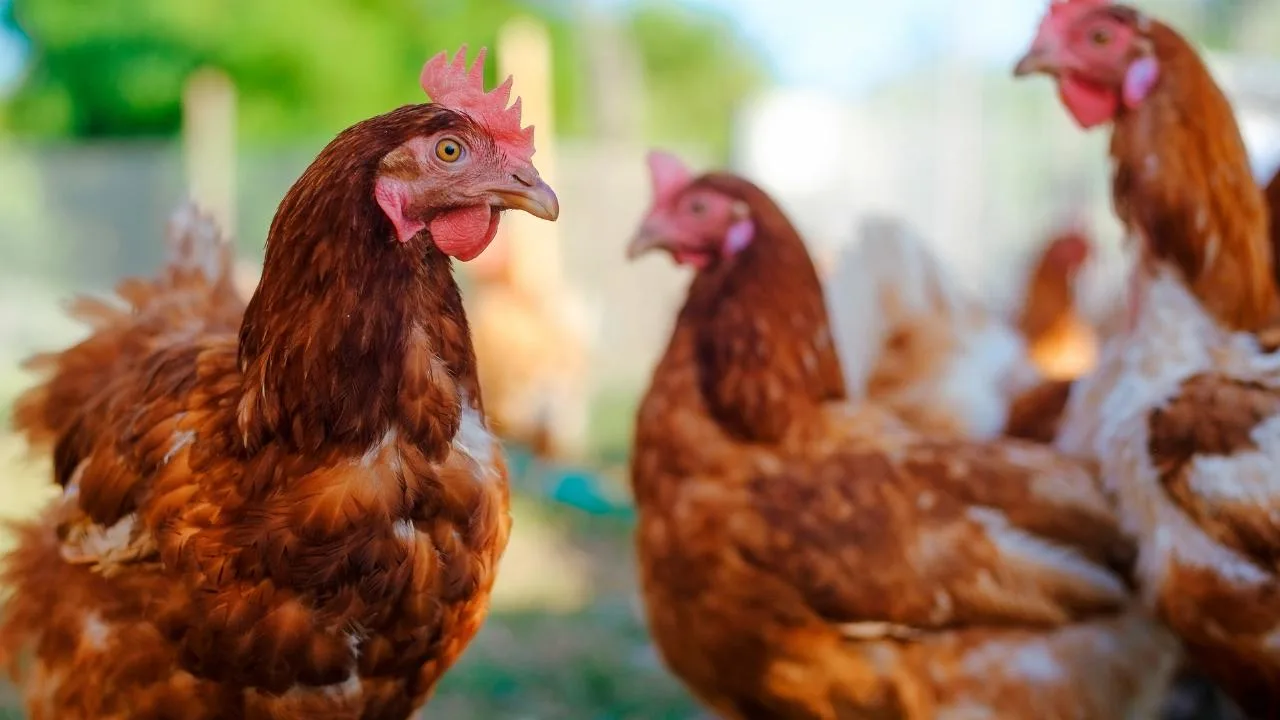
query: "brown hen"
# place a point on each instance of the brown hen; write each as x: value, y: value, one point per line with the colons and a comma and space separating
x: 1060, y: 343
x: 1183, y: 411
x: 298, y: 513
x: 804, y: 557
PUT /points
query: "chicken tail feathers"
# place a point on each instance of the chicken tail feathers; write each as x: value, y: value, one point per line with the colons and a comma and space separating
x: 195, y: 243
x: 194, y: 290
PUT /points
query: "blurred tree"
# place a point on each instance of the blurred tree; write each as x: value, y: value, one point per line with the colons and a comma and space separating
x: 115, y: 68
x: 697, y: 71
x: 1222, y: 19
x: 1261, y: 32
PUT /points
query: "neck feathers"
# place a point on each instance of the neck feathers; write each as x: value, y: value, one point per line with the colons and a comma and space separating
x: 351, y: 332
x: 764, y: 349
x: 1184, y: 185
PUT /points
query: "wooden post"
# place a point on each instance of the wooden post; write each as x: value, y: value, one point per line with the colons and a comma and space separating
x: 209, y: 144
x: 524, y: 51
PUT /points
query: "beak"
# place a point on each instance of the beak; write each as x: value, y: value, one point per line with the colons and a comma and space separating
x: 529, y: 193
x: 645, y: 241
x: 1036, y: 60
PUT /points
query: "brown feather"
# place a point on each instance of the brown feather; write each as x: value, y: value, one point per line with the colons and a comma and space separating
x: 805, y: 558
x: 1037, y: 413
x: 1272, y: 193
x: 1186, y: 188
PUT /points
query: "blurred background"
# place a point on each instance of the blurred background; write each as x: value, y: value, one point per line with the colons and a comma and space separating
x: 112, y: 111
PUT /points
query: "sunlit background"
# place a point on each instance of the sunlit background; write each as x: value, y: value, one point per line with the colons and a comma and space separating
x: 112, y: 111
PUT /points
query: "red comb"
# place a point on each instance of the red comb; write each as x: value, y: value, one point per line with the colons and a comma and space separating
x: 449, y: 83
x: 669, y: 177
x: 1062, y: 13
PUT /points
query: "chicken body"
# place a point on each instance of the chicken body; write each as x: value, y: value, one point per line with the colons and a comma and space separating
x: 294, y: 513
x: 914, y: 342
x: 911, y: 340
x: 1183, y: 410
x: 805, y: 557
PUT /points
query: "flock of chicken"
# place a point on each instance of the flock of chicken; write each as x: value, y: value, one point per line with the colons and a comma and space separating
x: 293, y: 507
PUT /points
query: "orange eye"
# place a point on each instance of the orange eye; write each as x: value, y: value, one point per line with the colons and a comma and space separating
x: 449, y: 150
x: 1099, y: 37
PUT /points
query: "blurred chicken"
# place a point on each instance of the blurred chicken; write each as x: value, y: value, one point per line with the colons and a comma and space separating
x: 913, y: 341
x: 292, y: 509
x: 533, y: 346
x: 803, y: 556
x: 1183, y: 412
x: 921, y: 346
x: 1061, y: 344
x: 246, y: 275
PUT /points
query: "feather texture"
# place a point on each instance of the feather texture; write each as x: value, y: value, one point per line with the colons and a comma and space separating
x: 289, y: 509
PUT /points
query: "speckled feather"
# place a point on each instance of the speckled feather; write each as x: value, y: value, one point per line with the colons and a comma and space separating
x: 803, y: 557
x: 304, y: 520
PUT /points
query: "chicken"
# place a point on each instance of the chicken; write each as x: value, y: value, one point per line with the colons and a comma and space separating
x: 533, y: 345
x: 1183, y: 408
x: 1273, y: 211
x: 1060, y: 343
x: 922, y: 347
x: 803, y: 556
x: 298, y: 513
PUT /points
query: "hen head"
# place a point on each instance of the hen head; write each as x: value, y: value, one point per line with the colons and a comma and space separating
x: 699, y: 226
x: 471, y: 160
x: 1099, y: 54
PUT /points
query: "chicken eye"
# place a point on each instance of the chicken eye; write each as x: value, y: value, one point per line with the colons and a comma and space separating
x: 449, y: 150
x: 1100, y: 37
x: 697, y: 207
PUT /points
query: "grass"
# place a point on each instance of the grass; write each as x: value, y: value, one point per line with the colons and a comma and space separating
x: 593, y: 662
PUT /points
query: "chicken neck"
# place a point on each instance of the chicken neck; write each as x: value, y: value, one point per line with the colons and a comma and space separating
x: 340, y: 307
x: 763, y: 345
x: 1183, y: 187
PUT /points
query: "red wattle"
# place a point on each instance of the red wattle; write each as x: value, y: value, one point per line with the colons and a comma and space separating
x: 465, y: 233
x: 1088, y: 102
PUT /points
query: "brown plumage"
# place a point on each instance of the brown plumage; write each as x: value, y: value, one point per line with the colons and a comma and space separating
x: 803, y: 557
x: 294, y: 514
x: 1182, y: 181
x: 1182, y: 412
x: 1037, y: 413
x: 1273, y: 213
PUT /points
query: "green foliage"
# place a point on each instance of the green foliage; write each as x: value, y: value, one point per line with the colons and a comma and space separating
x: 698, y: 71
x: 115, y: 68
